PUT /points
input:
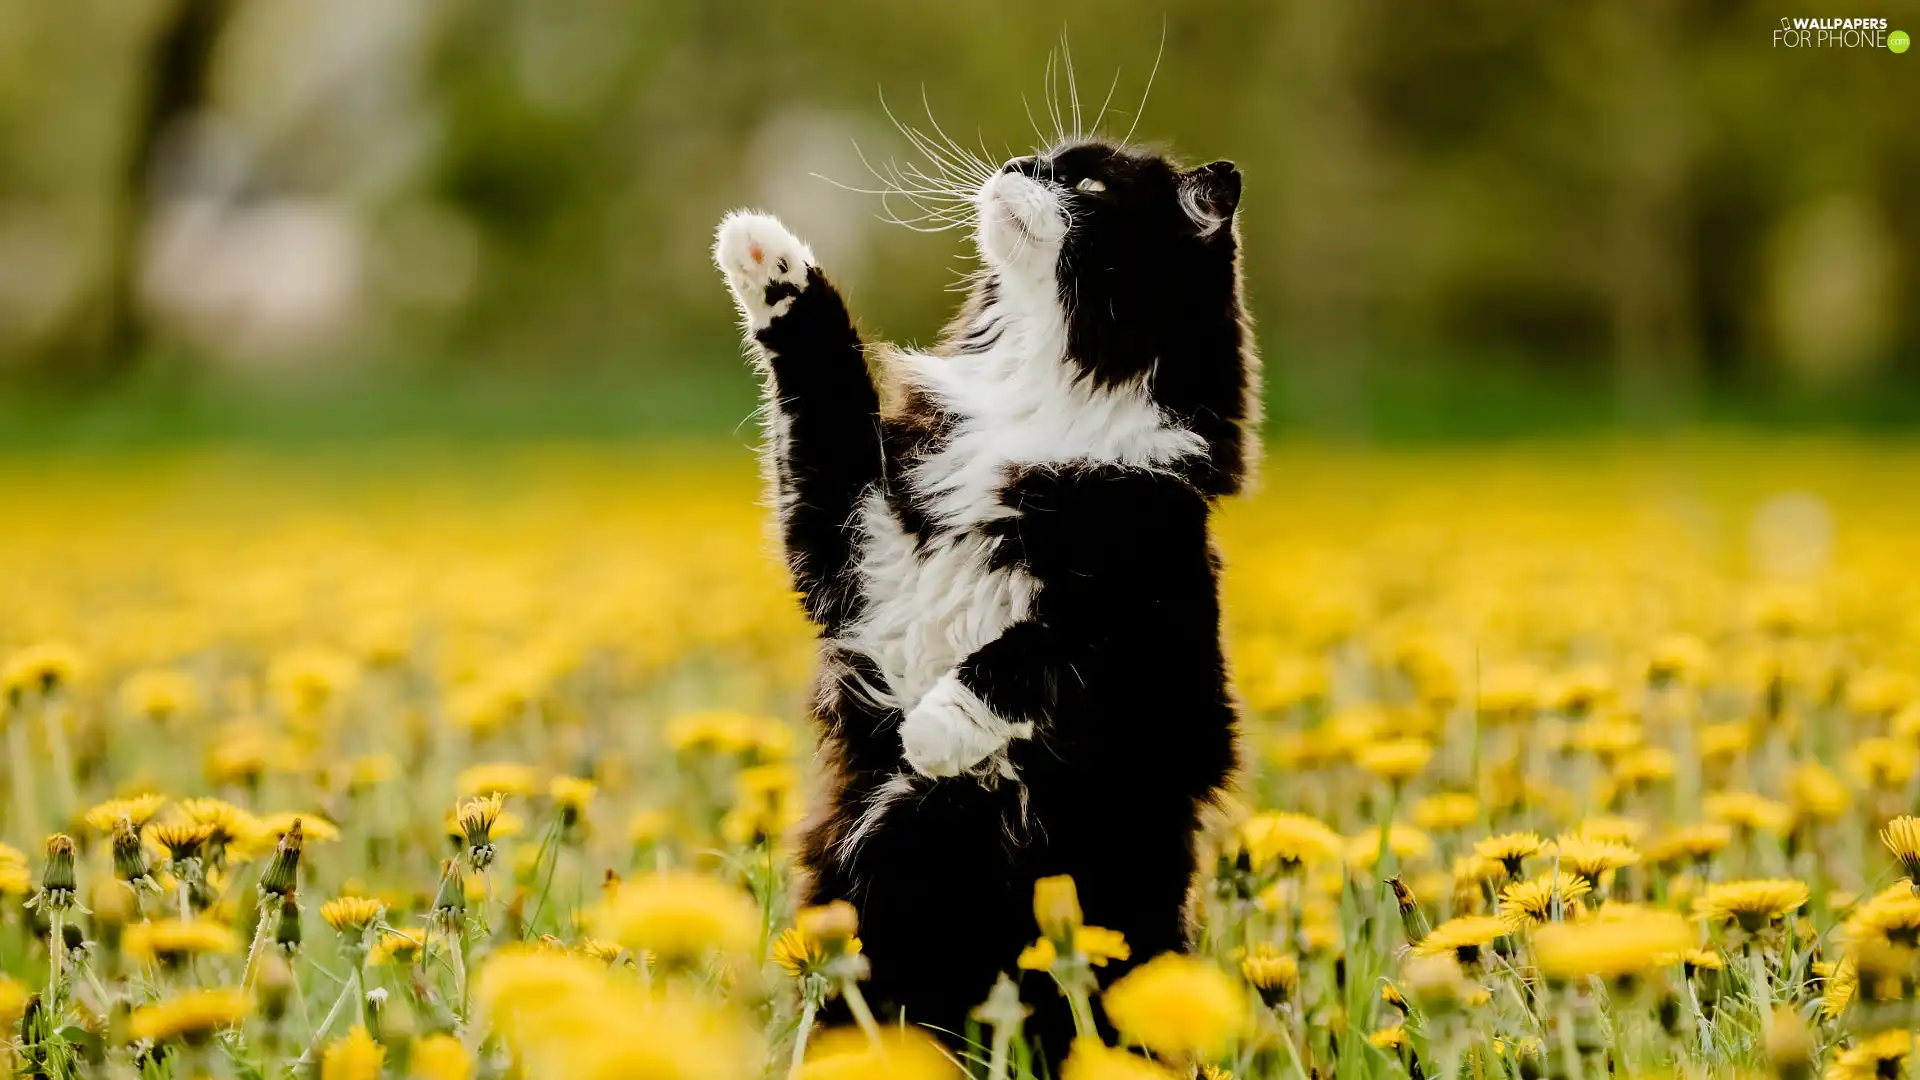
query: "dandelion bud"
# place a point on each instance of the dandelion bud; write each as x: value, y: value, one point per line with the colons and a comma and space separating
x: 283, y: 873
x: 1056, y: 907
x: 450, y: 900
x: 287, y: 933
x: 57, y: 883
x: 1412, y: 920
x: 376, y: 1006
x: 1002, y: 1011
x: 130, y: 856
x: 832, y: 925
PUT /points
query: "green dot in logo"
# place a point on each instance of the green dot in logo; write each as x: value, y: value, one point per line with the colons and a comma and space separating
x: 1898, y: 41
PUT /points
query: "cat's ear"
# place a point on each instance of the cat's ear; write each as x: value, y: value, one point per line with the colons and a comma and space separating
x: 1210, y: 194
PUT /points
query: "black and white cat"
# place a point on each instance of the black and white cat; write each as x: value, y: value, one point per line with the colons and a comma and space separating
x: 1009, y: 562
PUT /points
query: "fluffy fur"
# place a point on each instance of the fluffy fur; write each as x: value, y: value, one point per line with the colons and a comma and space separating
x: 1010, y: 566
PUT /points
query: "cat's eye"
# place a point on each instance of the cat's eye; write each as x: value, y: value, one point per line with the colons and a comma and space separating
x: 1090, y: 186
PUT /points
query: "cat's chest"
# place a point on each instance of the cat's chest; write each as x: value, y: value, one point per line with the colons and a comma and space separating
x: 930, y: 599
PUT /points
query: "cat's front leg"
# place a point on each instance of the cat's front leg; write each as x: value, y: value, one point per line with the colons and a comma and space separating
x: 823, y: 431
x: 952, y: 730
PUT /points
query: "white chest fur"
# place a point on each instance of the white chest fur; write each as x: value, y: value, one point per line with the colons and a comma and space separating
x: 1020, y: 405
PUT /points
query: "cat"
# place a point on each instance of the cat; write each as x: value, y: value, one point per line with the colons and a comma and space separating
x: 1010, y: 566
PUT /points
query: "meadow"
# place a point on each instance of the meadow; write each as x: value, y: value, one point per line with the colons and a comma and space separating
x: 1560, y: 761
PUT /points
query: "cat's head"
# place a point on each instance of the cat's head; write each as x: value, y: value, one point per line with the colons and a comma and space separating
x: 1138, y: 257
x: 1131, y: 246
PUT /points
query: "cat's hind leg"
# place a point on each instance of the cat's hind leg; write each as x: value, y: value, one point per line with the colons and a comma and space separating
x: 823, y: 430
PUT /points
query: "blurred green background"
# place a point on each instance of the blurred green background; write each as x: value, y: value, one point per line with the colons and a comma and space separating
x: 299, y: 220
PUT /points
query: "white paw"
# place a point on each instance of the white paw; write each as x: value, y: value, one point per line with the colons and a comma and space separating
x: 756, y: 252
x: 952, y: 730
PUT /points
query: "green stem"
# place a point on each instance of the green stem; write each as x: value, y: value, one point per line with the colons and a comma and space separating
x: 253, y: 950
x: 305, y: 1062
x: 1082, y: 1006
x: 807, y: 1010
x: 56, y: 954
x: 997, y: 1061
x: 861, y: 1014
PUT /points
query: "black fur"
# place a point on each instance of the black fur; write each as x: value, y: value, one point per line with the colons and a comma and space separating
x: 1118, y: 664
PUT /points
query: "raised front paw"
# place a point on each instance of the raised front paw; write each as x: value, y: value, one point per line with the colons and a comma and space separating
x: 765, y: 264
x: 951, y: 730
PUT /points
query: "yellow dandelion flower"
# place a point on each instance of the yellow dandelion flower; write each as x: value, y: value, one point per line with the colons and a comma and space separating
x: 174, y: 941
x: 1590, y: 858
x: 648, y: 827
x: 192, y: 1016
x: 1647, y: 765
x: 228, y: 825
x: 352, y: 914
x: 439, y: 1057
x: 13, y: 1002
x: 1056, y: 906
x: 572, y: 793
x: 1608, y: 737
x: 397, y: 946
x: 160, y: 695
x: 353, y: 1056
x: 1695, y: 961
x: 678, y: 916
x: 1723, y: 742
x: 1463, y: 937
x: 498, y: 777
x: 1883, y: 762
x: 182, y: 839
x: 1389, y: 1038
x: 1816, y: 793
x: 1696, y: 843
x: 1526, y: 903
x: 1407, y: 843
x: 1446, y: 810
x: 1678, y: 658
x: 1890, y: 920
x: 1099, y: 945
x: 1396, y: 760
x: 1902, y: 839
x: 1176, y: 1004
x: 139, y: 810
x: 305, y: 681
x: 1274, y: 974
x: 1875, y: 1057
x: 45, y: 668
x: 1510, y: 849
x: 903, y: 1054
x: 719, y: 731
x: 1612, y: 830
x: 1842, y: 983
x: 314, y: 828
x: 1612, y: 949
x: 1752, y: 904
x: 1288, y: 839
x: 1039, y: 956
x: 1745, y: 810
x: 1090, y: 1060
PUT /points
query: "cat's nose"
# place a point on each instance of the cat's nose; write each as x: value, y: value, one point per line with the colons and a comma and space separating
x: 1029, y: 165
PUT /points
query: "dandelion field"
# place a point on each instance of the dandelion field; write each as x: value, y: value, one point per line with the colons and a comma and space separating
x: 1559, y: 762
